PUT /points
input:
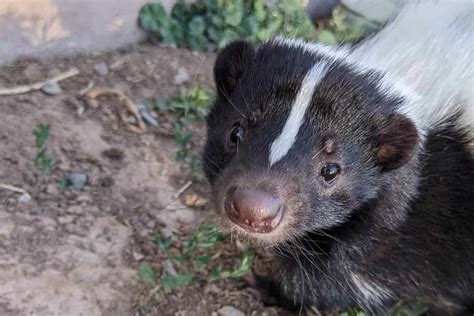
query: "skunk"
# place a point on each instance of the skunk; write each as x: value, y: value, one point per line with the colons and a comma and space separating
x: 354, y: 166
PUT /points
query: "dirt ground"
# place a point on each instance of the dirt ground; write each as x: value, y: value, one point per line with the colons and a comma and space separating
x: 77, y: 252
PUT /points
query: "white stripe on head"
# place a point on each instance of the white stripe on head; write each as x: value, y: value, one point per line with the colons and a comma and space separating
x: 287, y: 138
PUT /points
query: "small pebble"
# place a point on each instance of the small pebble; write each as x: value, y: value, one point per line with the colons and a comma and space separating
x: 66, y: 219
x: 52, y: 189
x: 181, y: 77
x: 131, y: 119
x: 24, y: 198
x: 137, y: 256
x: 76, y: 180
x: 51, y: 88
x: 230, y: 311
x: 146, y: 116
x: 169, y: 268
x: 102, y: 69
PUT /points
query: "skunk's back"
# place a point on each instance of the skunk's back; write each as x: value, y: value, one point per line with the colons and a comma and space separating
x: 429, y: 48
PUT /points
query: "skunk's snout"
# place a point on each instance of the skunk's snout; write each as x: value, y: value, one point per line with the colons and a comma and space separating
x: 254, y: 210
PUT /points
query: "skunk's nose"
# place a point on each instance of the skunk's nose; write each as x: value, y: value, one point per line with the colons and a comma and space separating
x: 254, y: 210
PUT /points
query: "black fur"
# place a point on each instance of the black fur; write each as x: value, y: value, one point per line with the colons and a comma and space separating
x: 400, y: 217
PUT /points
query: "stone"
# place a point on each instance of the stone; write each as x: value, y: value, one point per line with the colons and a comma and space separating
x: 230, y: 311
x: 24, y: 198
x: 169, y: 268
x: 52, y: 189
x: 66, y: 219
x: 76, y: 180
x: 51, y: 88
x: 181, y: 77
x: 102, y: 69
x: 137, y: 256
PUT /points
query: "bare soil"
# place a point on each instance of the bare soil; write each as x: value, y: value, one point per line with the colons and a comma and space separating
x: 77, y: 252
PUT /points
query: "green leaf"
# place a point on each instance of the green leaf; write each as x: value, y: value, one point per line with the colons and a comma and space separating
x: 163, y: 243
x: 234, y: 12
x: 171, y: 282
x: 62, y: 185
x: 250, y: 25
x: 197, y: 26
x: 259, y: 10
x: 151, y: 16
x: 327, y: 37
x: 183, y: 137
x: 214, y: 33
x: 145, y: 272
x: 41, y: 134
x: 181, y: 13
x: 182, y: 154
x: 203, y: 259
x: 216, y: 272
x: 208, y: 244
x: 198, y: 42
x: 179, y: 258
x: 195, y: 164
x: 243, y: 269
x: 228, y: 36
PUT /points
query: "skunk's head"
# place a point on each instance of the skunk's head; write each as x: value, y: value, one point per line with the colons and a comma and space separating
x: 298, y: 140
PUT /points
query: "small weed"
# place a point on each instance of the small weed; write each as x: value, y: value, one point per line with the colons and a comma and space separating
x: 146, y: 273
x: 189, y: 108
x: 196, y: 260
x: 164, y: 244
x: 43, y: 161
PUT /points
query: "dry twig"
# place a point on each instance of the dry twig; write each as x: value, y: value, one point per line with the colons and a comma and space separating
x: 38, y: 85
x: 12, y: 188
x: 130, y: 106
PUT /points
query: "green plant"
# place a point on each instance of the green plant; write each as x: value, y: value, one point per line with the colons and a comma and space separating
x: 342, y: 28
x: 43, y: 160
x: 195, y: 260
x: 211, y: 24
x: 146, y: 273
x: 189, y: 108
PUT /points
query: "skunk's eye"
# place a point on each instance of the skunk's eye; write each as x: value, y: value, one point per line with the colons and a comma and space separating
x: 237, y: 134
x: 330, y: 172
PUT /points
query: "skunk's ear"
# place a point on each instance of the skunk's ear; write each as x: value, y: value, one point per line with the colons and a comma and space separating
x: 397, y: 140
x: 231, y: 64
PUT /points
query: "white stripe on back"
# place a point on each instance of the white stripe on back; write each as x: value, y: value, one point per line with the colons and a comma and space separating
x: 287, y: 138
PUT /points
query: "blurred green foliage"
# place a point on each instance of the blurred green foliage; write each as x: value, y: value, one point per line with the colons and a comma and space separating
x: 189, y: 108
x: 211, y: 24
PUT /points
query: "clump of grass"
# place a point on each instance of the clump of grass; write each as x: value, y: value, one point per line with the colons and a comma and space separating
x: 43, y: 161
x: 189, y: 108
x: 196, y: 260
